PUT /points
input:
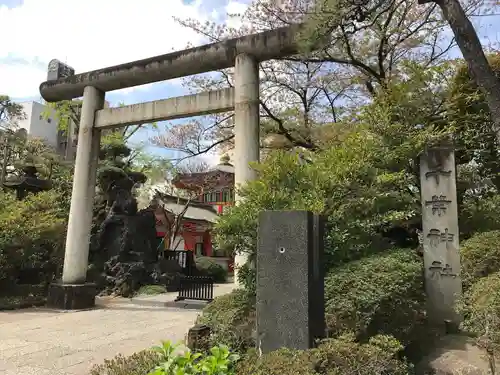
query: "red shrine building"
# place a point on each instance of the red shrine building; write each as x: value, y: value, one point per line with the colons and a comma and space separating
x: 213, y: 191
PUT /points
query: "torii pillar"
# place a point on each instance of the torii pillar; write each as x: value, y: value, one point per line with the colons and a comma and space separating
x: 246, y: 131
x: 74, y: 292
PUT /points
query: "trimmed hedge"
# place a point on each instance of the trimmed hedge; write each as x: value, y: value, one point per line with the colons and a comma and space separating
x: 480, y: 256
x: 209, y: 267
x: 480, y: 307
x: 340, y: 356
x: 232, y: 320
x: 31, y: 238
x: 140, y: 363
x: 383, y: 293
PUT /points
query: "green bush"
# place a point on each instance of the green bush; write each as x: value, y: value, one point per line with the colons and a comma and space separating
x: 209, y: 267
x: 480, y: 256
x: 170, y: 359
x: 137, y: 364
x: 341, y: 356
x: 32, y: 234
x: 379, y: 294
x: 231, y: 318
x: 480, y: 306
x: 219, y: 361
x: 280, y: 362
x: 152, y: 290
x: 479, y: 214
x: 360, y: 184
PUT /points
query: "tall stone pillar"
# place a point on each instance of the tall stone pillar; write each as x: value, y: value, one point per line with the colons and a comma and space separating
x: 290, y: 280
x: 73, y: 293
x: 440, y: 232
x: 246, y: 128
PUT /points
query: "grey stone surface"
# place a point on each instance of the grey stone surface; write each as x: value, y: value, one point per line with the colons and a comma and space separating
x: 440, y: 232
x: 57, y: 70
x: 266, y: 45
x: 290, y: 285
x: 246, y: 131
x: 455, y: 355
x: 71, y: 297
x: 44, y: 341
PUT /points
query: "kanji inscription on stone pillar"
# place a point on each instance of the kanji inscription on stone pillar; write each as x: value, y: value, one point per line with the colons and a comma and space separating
x: 440, y: 232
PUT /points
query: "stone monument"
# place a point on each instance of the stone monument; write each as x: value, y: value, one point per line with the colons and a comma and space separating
x: 27, y: 183
x: 57, y: 70
x: 440, y: 232
x: 290, y: 280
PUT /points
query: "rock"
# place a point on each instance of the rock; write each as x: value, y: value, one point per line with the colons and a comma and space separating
x: 198, y: 338
x: 167, y: 272
x: 124, y: 254
x: 169, y: 266
x: 453, y: 355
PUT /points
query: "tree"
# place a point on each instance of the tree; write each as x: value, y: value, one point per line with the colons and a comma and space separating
x: 10, y: 113
x: 32, y: 235
x: 453, y: 14
x: 474, y: 55
x: 303, y: 95
x: 469, y: 114
x: 119, y: 160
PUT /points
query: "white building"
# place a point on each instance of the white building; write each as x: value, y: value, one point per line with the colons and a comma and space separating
x: 41, y: 122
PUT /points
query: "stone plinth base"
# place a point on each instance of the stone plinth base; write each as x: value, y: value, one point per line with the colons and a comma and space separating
x: 71, y: 296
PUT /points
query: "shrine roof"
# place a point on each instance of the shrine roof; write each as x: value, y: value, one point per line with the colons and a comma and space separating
x: 223, y: 167
x: 195, y: 211
x: 194, y: 181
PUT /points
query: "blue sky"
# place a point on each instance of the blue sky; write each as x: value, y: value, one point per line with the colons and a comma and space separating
x: 92, y: 34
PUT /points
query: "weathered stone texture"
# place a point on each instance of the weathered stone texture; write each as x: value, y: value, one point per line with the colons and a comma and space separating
x: 440, y: 232
x: 290, y: 284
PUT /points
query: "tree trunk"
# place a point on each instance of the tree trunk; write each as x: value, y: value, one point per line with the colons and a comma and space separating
x: 473, y: 53
x: 5, y: 160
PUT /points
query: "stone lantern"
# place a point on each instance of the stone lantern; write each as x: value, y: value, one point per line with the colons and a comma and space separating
x: 27, y: 183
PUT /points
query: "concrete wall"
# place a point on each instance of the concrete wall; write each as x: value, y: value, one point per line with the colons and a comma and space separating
x: 37, y: 125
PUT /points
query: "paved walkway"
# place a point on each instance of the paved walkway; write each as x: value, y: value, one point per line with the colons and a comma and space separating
x: 42, y: 341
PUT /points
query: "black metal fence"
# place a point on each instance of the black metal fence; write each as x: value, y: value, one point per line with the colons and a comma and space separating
x: 185, y: 259
x: 198, y: 288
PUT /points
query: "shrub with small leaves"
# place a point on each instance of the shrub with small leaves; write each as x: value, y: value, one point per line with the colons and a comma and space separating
x: 480, y: 306
x: 378, y: 294
x: 152, y: 290
x: 137, y: 364
x: 209, y: 267
x: 231, y: 318
x: 480, y: 256
x: 341, y: 356
x: 32, y: 234
x: 279, y: 362
x: 345, y: 356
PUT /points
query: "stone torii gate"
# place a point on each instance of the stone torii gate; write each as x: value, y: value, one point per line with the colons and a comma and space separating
x: 243, y: 53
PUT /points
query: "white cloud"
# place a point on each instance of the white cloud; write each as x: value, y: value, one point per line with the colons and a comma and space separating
x: 235, y: 9
x: 87, y: 35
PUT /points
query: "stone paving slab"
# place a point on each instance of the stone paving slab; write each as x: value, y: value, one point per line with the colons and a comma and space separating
x: 43, y: 341
x: 37, y: 341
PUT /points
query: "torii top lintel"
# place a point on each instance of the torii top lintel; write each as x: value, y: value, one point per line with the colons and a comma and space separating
x: 262, y: 46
